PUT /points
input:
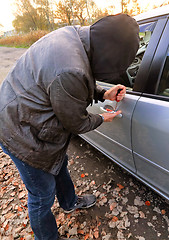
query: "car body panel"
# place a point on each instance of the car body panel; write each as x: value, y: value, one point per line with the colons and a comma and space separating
x: 150, y: 131
x: 139, y: 140
x: 115, y: 137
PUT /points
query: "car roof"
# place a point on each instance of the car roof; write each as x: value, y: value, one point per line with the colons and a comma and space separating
x: 157, y: 12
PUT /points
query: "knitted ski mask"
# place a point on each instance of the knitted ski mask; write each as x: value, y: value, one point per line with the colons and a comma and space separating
x: 114, y: 43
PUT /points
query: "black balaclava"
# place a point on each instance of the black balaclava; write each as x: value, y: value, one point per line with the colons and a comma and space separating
x: 114, y: 43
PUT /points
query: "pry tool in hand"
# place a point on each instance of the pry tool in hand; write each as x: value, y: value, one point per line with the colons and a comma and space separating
x: 118, y: 91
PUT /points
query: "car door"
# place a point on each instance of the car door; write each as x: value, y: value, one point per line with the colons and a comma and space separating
x: 150, y: 122
x: 114, y: 139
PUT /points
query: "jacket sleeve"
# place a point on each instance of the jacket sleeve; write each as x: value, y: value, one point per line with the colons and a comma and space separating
x: 99, y: 93
x: 68, y: 96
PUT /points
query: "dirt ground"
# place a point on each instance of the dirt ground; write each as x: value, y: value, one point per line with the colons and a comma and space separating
x: 8, y: 58
x: 125, y: 208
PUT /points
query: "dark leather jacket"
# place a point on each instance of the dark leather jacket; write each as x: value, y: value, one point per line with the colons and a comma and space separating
x: 44, y: 98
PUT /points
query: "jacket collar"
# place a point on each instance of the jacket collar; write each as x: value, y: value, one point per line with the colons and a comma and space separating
x: 84, y: 34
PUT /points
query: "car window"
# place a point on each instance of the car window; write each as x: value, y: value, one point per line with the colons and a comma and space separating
x: 163, y: 88
x: 128, y: 80
x: 145, y: 34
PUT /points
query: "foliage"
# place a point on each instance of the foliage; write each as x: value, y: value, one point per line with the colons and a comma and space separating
x: 64, y: 11
x: 24, y: 40
x: 81, y: 12
x: 163, y: 4
x: 33, y: 15
x: 124, y: 4
x: 134, y: 7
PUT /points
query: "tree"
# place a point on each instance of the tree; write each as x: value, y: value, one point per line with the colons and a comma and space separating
x: 77, y: 11
x: 33, y: 15
x: 26, y: 17
x: 130, y: 7
x: 24, y: 23
x: 135, y: 8
x: 124, y: 4
x: 45, y: 13
x: 160, y: 5
x: 64, y: 11
x: 81, y: 11
x: 94, y: 12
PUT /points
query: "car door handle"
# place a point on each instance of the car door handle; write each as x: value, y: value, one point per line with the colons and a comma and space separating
x: 110, y: 110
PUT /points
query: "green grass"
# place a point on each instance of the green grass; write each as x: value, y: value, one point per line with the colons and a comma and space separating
x: 18, y: 46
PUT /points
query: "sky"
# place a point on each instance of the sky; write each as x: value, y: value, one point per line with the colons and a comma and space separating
x: 7, y: 8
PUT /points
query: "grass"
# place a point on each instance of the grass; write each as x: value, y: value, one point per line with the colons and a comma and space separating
x: 22, y: 41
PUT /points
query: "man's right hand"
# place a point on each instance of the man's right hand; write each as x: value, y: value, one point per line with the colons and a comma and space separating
x: 108, y: 117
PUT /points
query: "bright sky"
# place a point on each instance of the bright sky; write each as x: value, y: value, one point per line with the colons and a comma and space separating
x: 6, y: 9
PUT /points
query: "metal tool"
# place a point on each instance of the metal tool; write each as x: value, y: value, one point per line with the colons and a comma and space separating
x: 118, y: 91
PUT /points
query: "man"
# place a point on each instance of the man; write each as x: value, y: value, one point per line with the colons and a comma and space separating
x: 43, y: 101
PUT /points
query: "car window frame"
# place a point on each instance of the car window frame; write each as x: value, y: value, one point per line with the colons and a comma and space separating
x: 143, y: 78
x: 146, y: 70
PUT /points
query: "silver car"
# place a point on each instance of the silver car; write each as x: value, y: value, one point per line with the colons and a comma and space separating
x: 138, y: 140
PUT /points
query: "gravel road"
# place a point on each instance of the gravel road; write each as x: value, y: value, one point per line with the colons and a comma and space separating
x: 125, y: 209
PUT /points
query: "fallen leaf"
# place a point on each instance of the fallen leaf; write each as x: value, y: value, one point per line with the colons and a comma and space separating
x: 21, y: 194
x: 142, y: 215
x: 15, y: 183
x: 12, y: 194
x: 132, y: 209
x: 86, y: 236
x: 9, y: 215
x: 69, y: 223
x: 147, y: 203
x: 138, y: 201
x: 115, y: 219
x: 71, y: 162
x: 18, y: 229
x: 73, y: 231
x: 103, y: 200
x: 96, y: 234
x: 3, y: 188
x: 80, y: 232
x: 163, y: 212
x: 113, y: 205
x: 92, y: 183
x: 6, y: 227
x: 99, y: 224
x: 82, y: 175
x: 120, y: 186
x: 20, y: 209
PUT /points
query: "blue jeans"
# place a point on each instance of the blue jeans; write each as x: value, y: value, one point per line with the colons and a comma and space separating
x: 42, y: 188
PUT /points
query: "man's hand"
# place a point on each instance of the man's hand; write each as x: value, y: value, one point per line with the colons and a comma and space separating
x: 108, y: 117
x: 112, y: 94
